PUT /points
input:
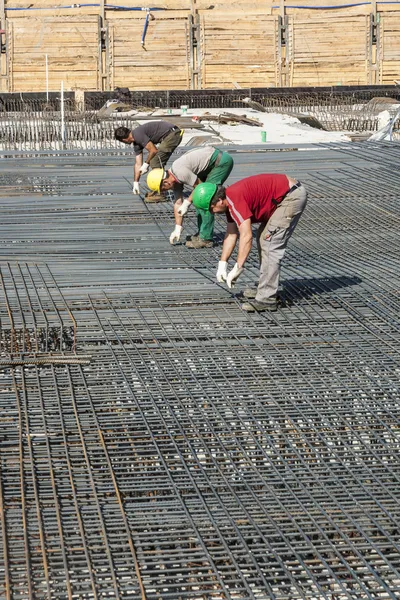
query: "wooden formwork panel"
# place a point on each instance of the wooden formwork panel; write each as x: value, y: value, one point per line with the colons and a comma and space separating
x: 70, y: 43
x: 329, y: 50
x: 269, y: 6
x: 165, y: 60
x: 238, y: 49
x: 229, y: 6
x: 389, y: 37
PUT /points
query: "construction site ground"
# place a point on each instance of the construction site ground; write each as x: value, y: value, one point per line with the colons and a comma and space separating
x: 157, y: 442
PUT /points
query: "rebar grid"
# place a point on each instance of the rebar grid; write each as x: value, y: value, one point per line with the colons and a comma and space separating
x: 34, y: 124
x: 34, y: 316
x: 203, y: 452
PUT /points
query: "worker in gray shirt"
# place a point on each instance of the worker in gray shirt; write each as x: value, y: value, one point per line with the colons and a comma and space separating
x: 196, y: 166
x: 167, y: 135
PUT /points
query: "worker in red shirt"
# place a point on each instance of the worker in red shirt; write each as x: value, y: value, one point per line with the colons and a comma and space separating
x: 276, y: 202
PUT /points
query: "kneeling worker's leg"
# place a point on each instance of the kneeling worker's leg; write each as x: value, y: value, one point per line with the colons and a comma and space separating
x: 220, y: 174
x: 217, y: 175
x: 166, y: 148
x: 205, y: 224
x: 274, y: 239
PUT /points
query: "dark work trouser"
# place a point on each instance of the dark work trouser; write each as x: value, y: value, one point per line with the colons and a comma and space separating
x: 165, y: 149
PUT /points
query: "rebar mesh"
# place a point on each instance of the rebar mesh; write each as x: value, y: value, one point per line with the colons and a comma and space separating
x: 38, y: 126
x: 29, y: 123
x: 34, y: 316
x: 204, y: 452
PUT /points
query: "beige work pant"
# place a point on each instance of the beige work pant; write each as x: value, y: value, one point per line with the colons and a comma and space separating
x: 272, y: 239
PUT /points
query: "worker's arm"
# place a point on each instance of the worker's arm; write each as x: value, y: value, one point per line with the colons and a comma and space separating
x: 179, y: 201
x: 245, y: 242
x: 227, y: 249
x: 152, y: 151
x: 230, y: 239
x: 138, y: 164
x: 178, y: 216
x: 176, y: 234
x: 184, y: 205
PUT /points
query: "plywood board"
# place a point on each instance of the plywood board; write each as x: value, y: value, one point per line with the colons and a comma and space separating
x: 389, y: 36
x: 238, y: 50
x: 329, y: 51
x: 267, y: 5
x: 131, y: 4
x: 164, y: 62
x: 72, y: 48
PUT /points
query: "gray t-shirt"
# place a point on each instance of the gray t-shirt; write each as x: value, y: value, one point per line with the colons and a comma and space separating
x: 153, y: 131
x: 186, y: 168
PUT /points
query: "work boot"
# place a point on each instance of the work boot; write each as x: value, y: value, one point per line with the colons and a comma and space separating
x: 154, y: 197
x: 190, y: 238
x: 199, y: 243
x: 250, y: 293
x: 270, y: 305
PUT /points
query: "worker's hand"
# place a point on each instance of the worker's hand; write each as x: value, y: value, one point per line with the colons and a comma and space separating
x: 136, y: 188
x: 176, y: 234
x: 182, y: 210
x: 222, y: 272
x: 233, y: 275
x: 144, y: 168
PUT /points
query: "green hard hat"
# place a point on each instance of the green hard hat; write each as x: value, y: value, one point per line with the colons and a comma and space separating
x: 203, y: 194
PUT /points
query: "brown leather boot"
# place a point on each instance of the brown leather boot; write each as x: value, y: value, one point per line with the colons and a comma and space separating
x: 199, y: 243
x: 154, y: 197
x: 190, y: 238
x: 270, y: 305
x: 250, y: 292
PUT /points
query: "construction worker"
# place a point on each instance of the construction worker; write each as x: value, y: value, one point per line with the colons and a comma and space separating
x: 163, y: 133
x: 196, y: 166
x: 274, y: 201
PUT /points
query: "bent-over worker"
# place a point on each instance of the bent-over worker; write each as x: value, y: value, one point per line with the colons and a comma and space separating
x: 276, y: 202
x: 168, y: 137
x: 199, y: 165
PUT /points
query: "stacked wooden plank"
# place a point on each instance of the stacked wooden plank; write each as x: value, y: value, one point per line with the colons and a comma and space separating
x: 238, y: 49
x: 199, y: 44
x: 70, y: 44
x: 389, y: 48
x: 163, y: 62
x: 329, y: 51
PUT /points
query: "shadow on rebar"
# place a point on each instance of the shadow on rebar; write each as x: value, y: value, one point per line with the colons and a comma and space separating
x: 314, y: 286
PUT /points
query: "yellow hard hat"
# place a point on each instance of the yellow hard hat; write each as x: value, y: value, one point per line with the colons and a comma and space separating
x: 154, y: 179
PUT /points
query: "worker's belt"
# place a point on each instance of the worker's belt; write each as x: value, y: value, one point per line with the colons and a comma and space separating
x: 174, y: 128
x: 216, y: 158
x: 294, y: 187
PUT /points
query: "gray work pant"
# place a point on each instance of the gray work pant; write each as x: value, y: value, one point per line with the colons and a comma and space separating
x: 272, y: 239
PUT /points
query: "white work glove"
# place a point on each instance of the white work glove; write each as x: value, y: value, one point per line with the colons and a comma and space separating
x: 233, y: 275
x: 136, y: 188
x: 144, y: 168
x: 182, y: 210
x: 222, y: 272
x: 176, y: 234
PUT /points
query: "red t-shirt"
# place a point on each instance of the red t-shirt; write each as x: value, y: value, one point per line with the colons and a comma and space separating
x: 252, y: 197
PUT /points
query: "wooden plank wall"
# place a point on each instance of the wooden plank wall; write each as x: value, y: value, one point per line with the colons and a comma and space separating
x: 200, y: 44
x: 72, y: 47
x: 329, y: 51
x: 389, y: 38
x: 164, y: 61
x: 238, y: 49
